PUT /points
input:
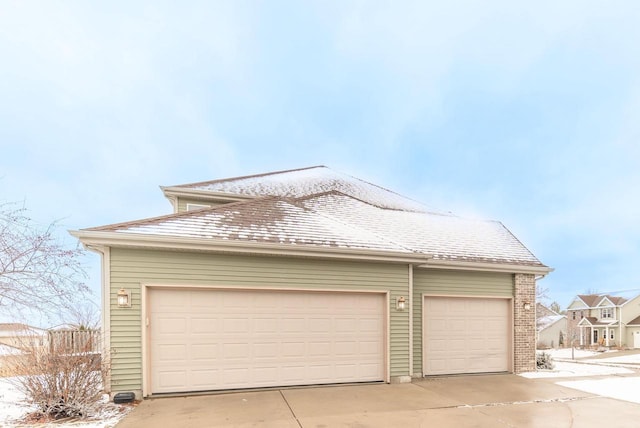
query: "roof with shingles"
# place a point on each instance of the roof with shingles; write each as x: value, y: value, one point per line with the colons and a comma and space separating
x: 593, y: 300
x: 635, y: 321
x: 335, y: 219
x: 302, y: 182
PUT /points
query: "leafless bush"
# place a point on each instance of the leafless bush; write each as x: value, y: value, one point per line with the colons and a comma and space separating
x: 61, y: 385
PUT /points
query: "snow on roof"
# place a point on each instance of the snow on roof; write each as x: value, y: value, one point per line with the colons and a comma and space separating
x: 547, y: 321
x: 338, y: 220
x: 308, y: 181
x: 444, y: 236
x: 267, y: 220
x: 9, y: 350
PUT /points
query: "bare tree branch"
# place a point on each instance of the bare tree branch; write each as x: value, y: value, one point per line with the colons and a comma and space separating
x: 37, y: 273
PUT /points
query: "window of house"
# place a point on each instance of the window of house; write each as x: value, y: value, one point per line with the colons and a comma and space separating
x: 574, y: 314
x: 581, y: 314
x: 611, y: 335
x: 606, y: 313
x: 595, y: 336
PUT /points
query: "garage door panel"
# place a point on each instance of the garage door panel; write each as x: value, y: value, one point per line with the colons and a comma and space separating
x: 466, y: 335
x: 270, y: 339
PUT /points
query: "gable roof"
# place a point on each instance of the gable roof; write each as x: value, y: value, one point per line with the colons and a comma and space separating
x: 593, y: 300
x: 547, y: 321
x: 336, y: 220
x: 634, y: 322
x: 296, y: 183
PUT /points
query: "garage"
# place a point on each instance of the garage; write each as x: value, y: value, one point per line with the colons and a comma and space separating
x: 218, y: 339
x: 466, y: 335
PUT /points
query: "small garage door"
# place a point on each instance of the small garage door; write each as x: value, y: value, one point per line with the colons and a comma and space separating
x: 466, y: 335
x: 221, y: 339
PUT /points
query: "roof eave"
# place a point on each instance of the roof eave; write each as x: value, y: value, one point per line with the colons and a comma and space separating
x: 485, y: 266
x: 172, y: 192
x: 92, y: 239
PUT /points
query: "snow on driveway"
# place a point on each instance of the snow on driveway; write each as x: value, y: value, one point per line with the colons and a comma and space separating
x: 620, y: 388
x: 624, y: 387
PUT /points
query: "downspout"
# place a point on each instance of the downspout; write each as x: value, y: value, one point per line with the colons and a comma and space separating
x: 410, y: 320
x: 105, y: 286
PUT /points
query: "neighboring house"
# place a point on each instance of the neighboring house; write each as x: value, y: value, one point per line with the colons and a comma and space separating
x: 604, y: 320
x: 23, y: 336
x: 305, y: 277
x: 551, y: 327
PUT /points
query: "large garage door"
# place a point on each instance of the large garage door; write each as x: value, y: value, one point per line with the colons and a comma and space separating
x: 466, y: 335
x: 220, y: 339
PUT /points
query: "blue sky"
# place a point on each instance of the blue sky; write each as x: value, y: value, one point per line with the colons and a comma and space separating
x: 526, y: 114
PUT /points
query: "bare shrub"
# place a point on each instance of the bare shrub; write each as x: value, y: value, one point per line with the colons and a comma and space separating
x: 59, y: 384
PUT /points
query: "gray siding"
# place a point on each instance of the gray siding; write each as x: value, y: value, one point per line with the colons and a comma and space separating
x: 130, y: 268
x: 452, y: 283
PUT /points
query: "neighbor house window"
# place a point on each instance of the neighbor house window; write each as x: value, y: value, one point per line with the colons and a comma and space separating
x: 574, y: 314
x: 581, y: 314
x: 611, y: 334
x: 606, y: 313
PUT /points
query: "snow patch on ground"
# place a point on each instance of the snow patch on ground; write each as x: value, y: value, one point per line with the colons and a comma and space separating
x: 566, y: 353
x: 624, y: 359
x: 620, y: 388
x: 13, y: 407
x: 570, y: 369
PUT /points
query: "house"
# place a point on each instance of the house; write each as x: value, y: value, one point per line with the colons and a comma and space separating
x: 551, y: 327
x: 22, y: 336
x: 604, y: 320
x: 308, y: 276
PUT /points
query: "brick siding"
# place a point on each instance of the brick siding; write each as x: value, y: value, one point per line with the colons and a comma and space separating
x: 524, y: 323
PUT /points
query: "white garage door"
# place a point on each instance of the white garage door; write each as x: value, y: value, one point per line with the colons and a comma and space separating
x: 220, y: 339
x: 466, y: 335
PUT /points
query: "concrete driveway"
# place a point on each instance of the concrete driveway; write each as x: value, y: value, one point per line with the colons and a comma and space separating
x: 468, y: 401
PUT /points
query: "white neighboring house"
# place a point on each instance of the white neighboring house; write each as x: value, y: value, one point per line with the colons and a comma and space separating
x: 551, y: 328
x: 18, y: 335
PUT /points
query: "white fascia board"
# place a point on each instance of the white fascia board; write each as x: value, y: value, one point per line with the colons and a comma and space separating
x: 486, y: 267
x: 115, y: 239
x: 172, y: 192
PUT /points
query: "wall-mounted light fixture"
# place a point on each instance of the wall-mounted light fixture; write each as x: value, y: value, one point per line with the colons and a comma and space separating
x: 124, y: 298
x: 526, y: 306
x: 401, y: 303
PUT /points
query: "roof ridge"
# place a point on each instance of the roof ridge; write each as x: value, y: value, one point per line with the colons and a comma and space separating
x: 242, y: 177
x: 344, y: 223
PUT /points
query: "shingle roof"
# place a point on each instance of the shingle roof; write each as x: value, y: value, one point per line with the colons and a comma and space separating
x: 635, y: 321
x: 337, y: 220
x: 593, y: 300
x: 547, y: 321
x: 297, y: 183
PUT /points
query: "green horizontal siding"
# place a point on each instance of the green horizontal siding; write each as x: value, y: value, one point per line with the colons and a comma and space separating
x: 131, y: 267
x: 452, y: 283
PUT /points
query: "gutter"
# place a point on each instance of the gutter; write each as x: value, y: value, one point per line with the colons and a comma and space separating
x: 115, y: 239
x: 487, y: 267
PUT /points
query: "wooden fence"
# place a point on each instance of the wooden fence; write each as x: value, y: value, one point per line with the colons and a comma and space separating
x: 74, y: 341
